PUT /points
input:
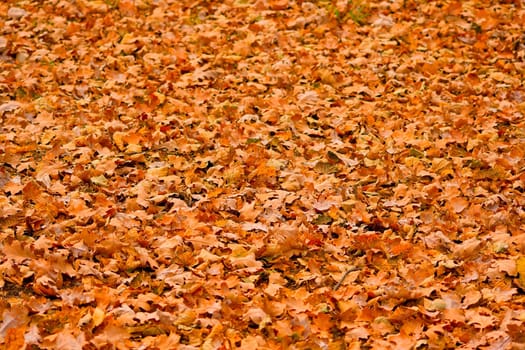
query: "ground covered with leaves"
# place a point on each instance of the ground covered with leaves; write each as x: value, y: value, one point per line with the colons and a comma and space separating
x: 262, y: 174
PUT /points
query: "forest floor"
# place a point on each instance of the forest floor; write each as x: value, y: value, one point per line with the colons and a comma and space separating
x: 266, y: 174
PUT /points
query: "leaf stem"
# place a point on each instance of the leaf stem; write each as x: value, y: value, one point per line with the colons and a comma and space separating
x: 352, y: 269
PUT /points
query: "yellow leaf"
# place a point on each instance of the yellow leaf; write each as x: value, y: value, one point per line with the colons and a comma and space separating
x: 158, y: 172
x: 520, y: 268
x: 160, y: 97
x: 128, y: 38
x: 133, y: 148
x: 186, y: 318
x: 99, y: 180
x: 344, y: 305
x: 118, y: 139
x: 216, y: 331
x: 97, y: 6
x: 98, y: 316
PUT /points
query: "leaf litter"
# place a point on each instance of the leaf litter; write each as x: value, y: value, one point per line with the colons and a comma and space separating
x: 262, y: 174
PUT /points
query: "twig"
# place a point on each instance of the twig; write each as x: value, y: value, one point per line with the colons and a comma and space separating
x: 352, y: 269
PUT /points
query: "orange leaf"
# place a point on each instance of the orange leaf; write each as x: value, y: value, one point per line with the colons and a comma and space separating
x: 458, y: 204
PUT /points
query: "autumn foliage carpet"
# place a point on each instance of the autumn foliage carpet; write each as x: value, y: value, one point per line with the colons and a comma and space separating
x: 266, y: 174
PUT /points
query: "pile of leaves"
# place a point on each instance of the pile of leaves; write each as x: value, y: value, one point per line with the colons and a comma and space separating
x: 262, y: 174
